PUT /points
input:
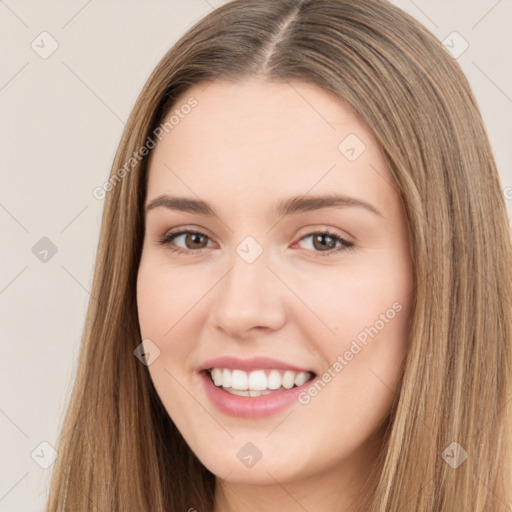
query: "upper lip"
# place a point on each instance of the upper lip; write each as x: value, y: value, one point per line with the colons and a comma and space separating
x: 254, y: 363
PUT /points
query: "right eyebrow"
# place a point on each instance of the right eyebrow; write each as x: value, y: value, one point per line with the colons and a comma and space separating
x: 290, y: 206
x: 183, y: 204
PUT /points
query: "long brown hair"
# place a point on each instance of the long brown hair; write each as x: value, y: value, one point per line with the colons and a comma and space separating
x: 119, y: 450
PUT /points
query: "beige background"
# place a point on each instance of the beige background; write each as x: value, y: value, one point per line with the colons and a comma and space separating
x: 62, y: 118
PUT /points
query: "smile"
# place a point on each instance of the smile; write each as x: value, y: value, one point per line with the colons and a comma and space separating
x: 257, y: 382
x: 253, y: 388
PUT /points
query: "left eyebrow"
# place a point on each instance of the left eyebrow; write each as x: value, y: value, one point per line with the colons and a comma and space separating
x: 301, y: 204
x: 286, y: 207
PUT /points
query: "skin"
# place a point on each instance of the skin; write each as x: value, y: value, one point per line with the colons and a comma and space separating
x: 243, y: 148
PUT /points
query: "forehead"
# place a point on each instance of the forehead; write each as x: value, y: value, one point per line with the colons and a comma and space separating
x: 257, y: 141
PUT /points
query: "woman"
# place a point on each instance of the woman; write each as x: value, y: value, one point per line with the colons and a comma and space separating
x: 340, y: 338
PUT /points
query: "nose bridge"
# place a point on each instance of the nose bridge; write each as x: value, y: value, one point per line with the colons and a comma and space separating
x: 248, y: 296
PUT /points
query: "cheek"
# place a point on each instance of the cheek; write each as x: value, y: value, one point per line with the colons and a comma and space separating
x: 165, y: 296
x: 173, y: 308
x: 173, y: 305
x: 347, y: 300
x: 165, y: 304
x: 368, y: 312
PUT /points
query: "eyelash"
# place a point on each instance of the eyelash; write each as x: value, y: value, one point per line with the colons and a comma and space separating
x: 169, y: 237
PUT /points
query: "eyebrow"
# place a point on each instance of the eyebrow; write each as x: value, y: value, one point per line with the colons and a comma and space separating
x: 286, y: 207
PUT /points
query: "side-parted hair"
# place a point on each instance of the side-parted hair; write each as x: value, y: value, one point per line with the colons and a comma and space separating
x: 118, y: 448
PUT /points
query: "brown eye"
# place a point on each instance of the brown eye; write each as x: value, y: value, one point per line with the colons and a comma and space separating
x: 193, y: 241
x: 323, y: 241
x: 327, y: 243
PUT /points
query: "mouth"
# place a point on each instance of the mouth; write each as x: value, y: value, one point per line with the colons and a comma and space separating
x: 253, y: 388
x: 257, y: 382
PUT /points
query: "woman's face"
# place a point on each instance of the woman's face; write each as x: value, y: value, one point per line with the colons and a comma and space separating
x: 259, y: 296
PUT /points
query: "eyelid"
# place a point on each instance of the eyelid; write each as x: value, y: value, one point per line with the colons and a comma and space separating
x: 170, y: 235
x: 323, y: 228
x: 346, y: 243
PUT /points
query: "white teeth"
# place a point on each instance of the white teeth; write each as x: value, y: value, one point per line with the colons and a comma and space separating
x: 301, y: 378
x: 257, y: 382
x: 237, y: 392
x: 226, y: 379
x: 288, y: 379
x: 217, y: 376
x: 239, y: 380
x: 249, y: 392
x: 274, y: 380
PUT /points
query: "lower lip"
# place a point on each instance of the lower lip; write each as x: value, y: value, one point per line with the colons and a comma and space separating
x: 250, y: 406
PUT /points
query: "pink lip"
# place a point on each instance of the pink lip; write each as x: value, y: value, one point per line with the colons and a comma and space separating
x: 246, y: 406
x: 255, y: 363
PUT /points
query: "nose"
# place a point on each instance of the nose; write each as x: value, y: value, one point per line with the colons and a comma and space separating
x: 249, y: 300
